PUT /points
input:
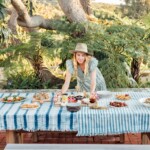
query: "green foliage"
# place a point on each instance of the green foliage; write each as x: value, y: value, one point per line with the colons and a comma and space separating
x: 2, y: 10
x: 112, y: 45
x: 114, y: 74
x: 25, y: 80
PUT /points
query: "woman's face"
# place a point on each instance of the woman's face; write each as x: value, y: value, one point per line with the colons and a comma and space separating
x: 80, y: 57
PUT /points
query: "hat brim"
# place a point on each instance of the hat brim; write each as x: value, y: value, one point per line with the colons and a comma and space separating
x: 75, y: 51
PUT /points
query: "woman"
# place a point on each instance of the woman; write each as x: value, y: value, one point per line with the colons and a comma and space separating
x: 84, y: 67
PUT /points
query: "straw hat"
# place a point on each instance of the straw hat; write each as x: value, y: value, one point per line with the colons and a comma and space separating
x: 80, y: 47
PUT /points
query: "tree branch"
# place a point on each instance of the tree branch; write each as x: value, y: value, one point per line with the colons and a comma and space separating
x: 25, y: 20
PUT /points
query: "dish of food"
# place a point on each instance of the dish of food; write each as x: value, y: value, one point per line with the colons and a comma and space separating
x: 41, y: 97
x: 72, y: 99
x: 79, y: 97
x: 123, y: 96
x: 73, y: 107
x: 118, y: 104
x: 30, y: 106
x: 12, y: 99
x: 145, y: 101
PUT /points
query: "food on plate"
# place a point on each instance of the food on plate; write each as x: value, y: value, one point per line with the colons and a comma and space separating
x: 57, y: 104
x: 117, y: 104
x: 31, y: 105
x: 72, y: 99
x: 41, y: 96
x: 147, y: 101
x: 123, y: 96
x: 10, y: 99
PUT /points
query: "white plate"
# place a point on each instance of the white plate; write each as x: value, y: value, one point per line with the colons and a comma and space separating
x: 103, y: 93
x: 142, y: 101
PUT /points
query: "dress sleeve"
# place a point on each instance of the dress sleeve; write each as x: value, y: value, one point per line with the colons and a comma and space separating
x: 69, y: 66
x: 93, y: 64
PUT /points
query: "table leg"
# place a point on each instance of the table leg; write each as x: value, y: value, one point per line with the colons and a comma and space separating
x: 122, y: 138
x: 35, y: 137
x: 145, y: 138
x: 10, y: 136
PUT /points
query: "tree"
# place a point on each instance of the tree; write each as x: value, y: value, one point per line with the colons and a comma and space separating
x: 135, y: 8
x: 75, y: 11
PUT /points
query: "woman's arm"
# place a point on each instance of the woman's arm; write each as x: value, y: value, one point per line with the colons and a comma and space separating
x: 93, y: 81
x: 67, y: 82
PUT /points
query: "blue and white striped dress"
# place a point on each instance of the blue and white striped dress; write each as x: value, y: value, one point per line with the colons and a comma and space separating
x: 84, y: 82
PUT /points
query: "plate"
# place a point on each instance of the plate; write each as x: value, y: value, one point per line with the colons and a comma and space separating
x: 30, y: 106
x: 103, y: 93
x: 143, y: 100
x: 11, y: 99
x: 117, y: 104
x: 123, y: 97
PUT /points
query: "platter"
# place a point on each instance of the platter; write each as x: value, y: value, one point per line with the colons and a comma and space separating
x: 145, y: 101
x: 123, y: 97
x: 117, y: 104
x: 104, y: 94
x: 30, y: 106
x: 12, y: 99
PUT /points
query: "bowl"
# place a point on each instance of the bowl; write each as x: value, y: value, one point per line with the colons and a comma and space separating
x: 101, y: 94
x: 79, y: 97
x: 73, y: 107
x: 143, y: 102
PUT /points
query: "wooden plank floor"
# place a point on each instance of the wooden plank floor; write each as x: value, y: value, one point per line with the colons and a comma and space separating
x: 69, y: 137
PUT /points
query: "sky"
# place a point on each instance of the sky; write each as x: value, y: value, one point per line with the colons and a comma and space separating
x: 110, y: 1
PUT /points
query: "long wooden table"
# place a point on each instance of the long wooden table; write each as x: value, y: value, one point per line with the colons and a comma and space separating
x: 11, y: 135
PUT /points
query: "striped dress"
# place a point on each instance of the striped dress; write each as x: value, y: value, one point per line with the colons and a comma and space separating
x: 84, y: 82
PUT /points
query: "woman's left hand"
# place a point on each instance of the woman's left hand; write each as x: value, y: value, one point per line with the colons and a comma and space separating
x: 93, y: 95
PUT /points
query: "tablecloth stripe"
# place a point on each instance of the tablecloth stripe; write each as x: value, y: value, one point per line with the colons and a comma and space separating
x: 15, y: 115
x: 5, y: 122
x: 47, y: 114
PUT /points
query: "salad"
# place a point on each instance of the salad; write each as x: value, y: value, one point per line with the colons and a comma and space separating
x: 12, y: 99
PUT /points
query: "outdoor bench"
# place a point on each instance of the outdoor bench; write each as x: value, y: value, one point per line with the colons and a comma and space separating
x: 75, y: 147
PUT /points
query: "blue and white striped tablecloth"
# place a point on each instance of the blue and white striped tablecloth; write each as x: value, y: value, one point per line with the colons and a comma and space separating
x: 134, y: 118
x: 88, y: 122
x: 47, y: 117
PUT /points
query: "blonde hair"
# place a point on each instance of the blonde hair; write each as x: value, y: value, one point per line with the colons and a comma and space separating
x: 75, y: 64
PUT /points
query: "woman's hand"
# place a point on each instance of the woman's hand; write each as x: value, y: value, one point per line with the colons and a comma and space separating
x: 93, y: 95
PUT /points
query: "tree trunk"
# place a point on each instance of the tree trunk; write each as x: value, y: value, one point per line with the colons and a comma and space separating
x: 135, y: 69
x: 43, y: 72
x: 86, y: 4
x: 73, y: 10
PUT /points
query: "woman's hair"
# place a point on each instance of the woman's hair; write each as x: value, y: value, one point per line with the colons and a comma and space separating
x: 75, y: 64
